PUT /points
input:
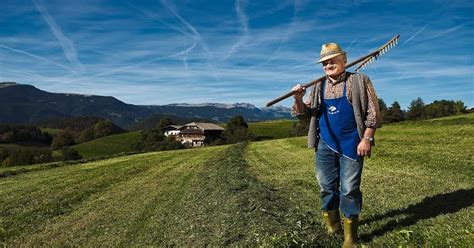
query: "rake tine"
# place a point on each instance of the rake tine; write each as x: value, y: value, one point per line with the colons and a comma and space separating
x: 383, y: 50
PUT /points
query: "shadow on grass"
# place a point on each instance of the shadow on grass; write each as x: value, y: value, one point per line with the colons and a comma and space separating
x: 429, y: 207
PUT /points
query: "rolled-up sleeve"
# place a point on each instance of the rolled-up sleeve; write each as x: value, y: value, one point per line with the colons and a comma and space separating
x: 296, y: 113
x: 373, y: 117
x: 307, y: 102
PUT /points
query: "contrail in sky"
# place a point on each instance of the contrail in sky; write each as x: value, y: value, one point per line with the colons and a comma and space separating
x: 37, y: 57
x: 66, y: 44
x: 243, y: 19
x: 413, y: 36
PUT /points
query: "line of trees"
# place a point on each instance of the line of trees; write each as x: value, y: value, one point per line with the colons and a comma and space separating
x: 72, y: 136
x: 418, y: 110
x: 34, y: 155
x: 236, y: 130
x: 32, y: 145
x: 21, y: 133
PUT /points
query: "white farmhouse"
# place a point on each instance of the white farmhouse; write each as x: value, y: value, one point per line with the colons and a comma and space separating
x: 171, y: 130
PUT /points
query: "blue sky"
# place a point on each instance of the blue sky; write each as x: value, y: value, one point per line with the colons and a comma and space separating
x: 161, y: 52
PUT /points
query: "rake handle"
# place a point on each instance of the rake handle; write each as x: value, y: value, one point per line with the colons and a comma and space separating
x: 318, y: 80
x: 323, y: 77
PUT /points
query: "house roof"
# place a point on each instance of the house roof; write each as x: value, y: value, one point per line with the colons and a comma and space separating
x: 171, y: 127
x: 205, y: 126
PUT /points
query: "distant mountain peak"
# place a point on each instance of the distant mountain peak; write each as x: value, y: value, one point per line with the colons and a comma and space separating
x: 277, y: 108
x: 7, y: 84
x: 217, y: 105
x: 75, y: 94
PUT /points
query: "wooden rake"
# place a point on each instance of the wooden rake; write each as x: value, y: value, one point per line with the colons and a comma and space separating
x: 364, y: 62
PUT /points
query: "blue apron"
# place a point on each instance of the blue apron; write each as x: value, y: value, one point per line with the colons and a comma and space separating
x: 338, y: 125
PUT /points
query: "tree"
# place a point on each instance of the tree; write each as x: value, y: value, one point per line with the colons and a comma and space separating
x: 86, y: 135
x: 154, y: 140
x: 166, y: 121
x: 237, y: 121
x: 236, y: 130
x: 416, y: 110
x: 3, y: 154
x: 103, y: 128
x: 395, y: 113
x: 26, y: 156
x: 67, y: 153
x: 62, y: 139
x: 460, y: 107
x: 100, y: 129
x: 444, y: 108
x: 19, y: 133
x: 383, y: 110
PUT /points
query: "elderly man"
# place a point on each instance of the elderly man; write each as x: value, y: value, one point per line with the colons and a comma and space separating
x: 344, y: 113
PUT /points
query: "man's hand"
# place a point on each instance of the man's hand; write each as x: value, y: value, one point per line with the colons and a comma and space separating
x: 364, y: 148
x: 299, y: 91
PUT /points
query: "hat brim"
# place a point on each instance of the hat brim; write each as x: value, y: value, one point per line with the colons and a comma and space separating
x: 330, y: 57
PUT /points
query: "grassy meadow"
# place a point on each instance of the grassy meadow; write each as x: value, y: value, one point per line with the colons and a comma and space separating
x: 108, y: 145
x: 275, y: 129
x: 418, y: 191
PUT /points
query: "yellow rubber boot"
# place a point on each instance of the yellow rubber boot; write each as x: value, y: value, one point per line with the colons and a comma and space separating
x: 350, y: 232
x: 332, y: 219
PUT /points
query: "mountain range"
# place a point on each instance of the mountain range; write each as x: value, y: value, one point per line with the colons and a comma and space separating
x: 23, y: 103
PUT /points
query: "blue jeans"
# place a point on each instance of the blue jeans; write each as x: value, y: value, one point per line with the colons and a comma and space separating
x: 339, y: 179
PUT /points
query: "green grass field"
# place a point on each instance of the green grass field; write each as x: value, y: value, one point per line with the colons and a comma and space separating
x: 108, y: 146
x: 418, y: 191
x: 276, y: 129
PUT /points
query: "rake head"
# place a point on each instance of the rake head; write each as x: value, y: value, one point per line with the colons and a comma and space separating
x: 379, y: 52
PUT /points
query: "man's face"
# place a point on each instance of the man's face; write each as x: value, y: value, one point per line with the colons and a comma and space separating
x: 334, y: 66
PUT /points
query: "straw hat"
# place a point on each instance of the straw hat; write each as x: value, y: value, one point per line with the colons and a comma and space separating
x: 330, y: 50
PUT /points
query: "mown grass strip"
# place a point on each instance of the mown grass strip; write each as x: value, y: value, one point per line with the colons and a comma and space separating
x: 231, y: 207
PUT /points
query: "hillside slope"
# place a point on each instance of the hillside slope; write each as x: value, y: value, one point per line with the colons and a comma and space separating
x: 108, y: 145
x: 418, y: 191
x: 21, y: 103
